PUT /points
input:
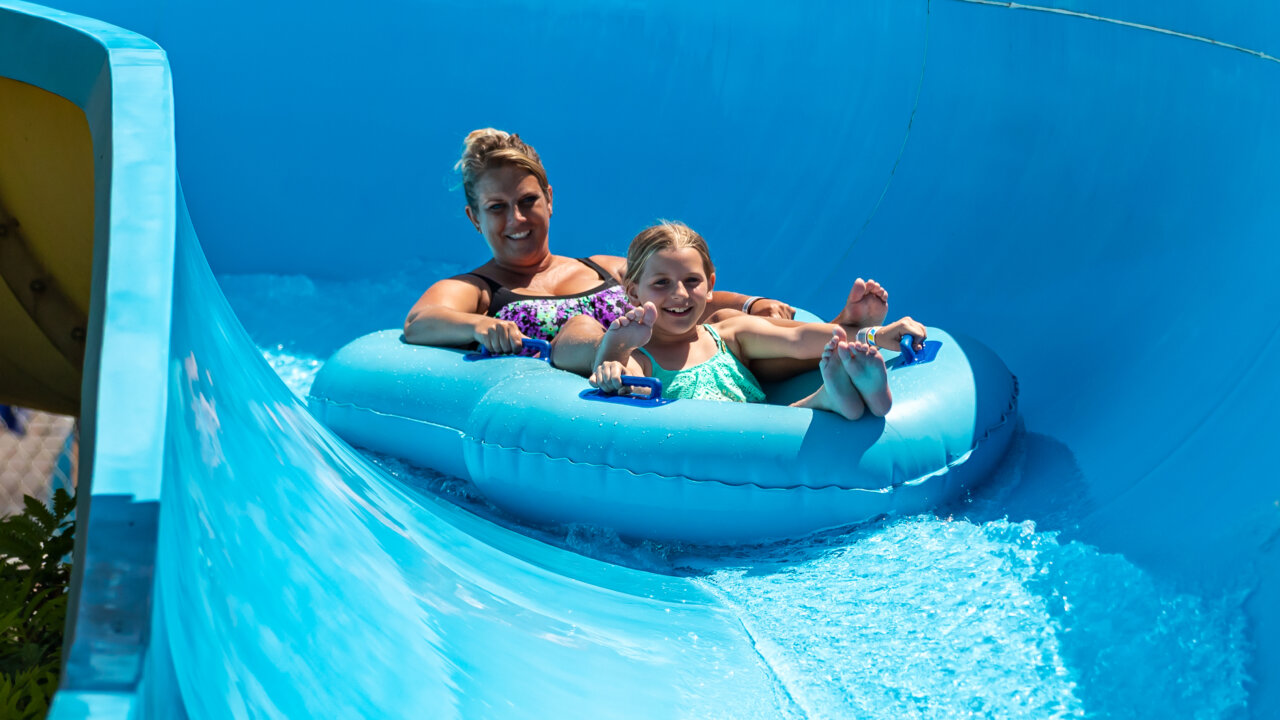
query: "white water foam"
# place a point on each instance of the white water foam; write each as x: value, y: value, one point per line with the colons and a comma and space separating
x: 918, y: 617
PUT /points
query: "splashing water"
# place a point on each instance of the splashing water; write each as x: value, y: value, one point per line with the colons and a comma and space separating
x: 298, y: 371
x: 916, y: 617
x: 928, y: 617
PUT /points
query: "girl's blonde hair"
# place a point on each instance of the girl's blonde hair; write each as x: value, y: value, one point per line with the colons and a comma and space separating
x: 487, y: 148
x: 666, y: 235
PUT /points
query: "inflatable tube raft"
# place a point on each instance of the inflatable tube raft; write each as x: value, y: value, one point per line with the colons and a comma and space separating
x: 686, y: 470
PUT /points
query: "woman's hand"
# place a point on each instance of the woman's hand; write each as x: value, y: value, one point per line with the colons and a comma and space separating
x: 608, y: 377
x: 770, y: 308
x: 501, y: 337
x: 889, y: 336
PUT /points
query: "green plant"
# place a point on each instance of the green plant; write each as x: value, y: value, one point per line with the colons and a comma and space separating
x: 33, y: 603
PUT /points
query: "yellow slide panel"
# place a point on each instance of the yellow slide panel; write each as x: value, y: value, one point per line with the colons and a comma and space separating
x: 46, y: 246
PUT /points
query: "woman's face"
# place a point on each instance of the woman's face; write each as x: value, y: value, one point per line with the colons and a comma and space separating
x: 513, y: 215
x: 676, y: 282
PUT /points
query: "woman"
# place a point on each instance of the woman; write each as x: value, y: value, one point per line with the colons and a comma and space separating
x: 526, y: 291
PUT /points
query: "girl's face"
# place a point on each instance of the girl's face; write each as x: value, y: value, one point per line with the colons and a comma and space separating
x: 676, y: 282
x: 513, y: 215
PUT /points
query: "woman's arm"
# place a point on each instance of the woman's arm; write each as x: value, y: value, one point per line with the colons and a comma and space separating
x: 750, y: 304
x: 449, y: 313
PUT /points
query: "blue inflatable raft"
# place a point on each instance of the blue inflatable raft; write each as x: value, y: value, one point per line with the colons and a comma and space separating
x: 687, y: 470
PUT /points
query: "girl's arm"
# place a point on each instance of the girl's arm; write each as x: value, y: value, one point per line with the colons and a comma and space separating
x: 618, y: 354
x: 889, y: 336
x: 450, y: 313
x: 756, y: 338
x: 608, y: 374
x: 759, y: 339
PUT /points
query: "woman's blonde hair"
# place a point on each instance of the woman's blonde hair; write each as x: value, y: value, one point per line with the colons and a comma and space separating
x: 487, y: 148
x: 666, y: 235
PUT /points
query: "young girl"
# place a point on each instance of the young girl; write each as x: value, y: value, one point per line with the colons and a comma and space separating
x: 670, y: 279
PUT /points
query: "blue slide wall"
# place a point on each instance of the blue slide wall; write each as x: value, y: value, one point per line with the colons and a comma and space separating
x: 1087, y: 187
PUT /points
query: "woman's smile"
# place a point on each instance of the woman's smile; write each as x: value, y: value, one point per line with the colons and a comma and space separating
x: 513, y: 214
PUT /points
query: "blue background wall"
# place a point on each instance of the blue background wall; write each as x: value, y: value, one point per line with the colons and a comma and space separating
x: 1092, y: 196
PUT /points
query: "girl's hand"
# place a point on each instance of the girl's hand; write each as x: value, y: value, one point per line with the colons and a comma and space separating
x: 608, y: 377
x: 501, y: 337
x: 770, y: 308
x: 889, y: 336
x: 631, y: 330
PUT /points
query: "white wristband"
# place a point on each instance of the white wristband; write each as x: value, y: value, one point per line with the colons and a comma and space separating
x: 746, y: 306
x: 867, y: 335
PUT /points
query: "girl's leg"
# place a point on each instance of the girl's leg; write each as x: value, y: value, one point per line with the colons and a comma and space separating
x: 866, y: 305
x: 865, y: 368
x: 574, y: 347
x: 837, y: 394
x: 855, y: 380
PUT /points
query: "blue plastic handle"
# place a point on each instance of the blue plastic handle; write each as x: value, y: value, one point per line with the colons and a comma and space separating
x: 911, y: 356
x: 654, y: 385
x: 908, y: 351
x: 653, y: 399
x: 528, y: 346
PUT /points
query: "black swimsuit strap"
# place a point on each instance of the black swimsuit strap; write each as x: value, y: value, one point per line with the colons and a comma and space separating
x: 494, y: 285
x: 604, y: 274
x: 500, y: 296
x: 494, y: 289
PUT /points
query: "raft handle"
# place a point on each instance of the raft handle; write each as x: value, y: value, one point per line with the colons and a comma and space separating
x: 528, y: 348
x: 908, y: 352
x: 653, y: 399
x: 911, y: 357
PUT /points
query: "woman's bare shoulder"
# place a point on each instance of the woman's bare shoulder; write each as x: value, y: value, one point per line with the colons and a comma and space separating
x: 616, y: 266
x: 466, y: 292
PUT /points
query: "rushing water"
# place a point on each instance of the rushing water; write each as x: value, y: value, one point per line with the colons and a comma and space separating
x: 973, y: 613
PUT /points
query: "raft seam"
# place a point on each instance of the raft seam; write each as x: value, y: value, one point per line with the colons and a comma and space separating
x: 362, y: 408
x: 944, y: 470
x: 1125, y: 23
x: 1009, y: 412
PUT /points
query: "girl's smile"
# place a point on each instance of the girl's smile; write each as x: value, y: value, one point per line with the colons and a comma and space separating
x: 676, y: 282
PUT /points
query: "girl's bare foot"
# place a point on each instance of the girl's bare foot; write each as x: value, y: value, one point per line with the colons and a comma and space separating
x: 842, y: 397
x: 837, y: 394
x: 867, y: 305
x: 865, y: 367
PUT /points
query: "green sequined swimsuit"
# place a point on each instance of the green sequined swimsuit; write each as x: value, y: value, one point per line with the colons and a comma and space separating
x: 722, y: 377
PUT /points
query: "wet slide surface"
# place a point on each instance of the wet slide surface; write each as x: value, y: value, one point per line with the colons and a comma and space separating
x: 1087, y: 194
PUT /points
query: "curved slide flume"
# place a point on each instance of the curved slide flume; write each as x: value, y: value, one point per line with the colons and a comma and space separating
x: 1089, y: 190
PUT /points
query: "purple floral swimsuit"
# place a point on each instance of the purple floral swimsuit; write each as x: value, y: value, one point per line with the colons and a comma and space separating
x: 542, y: 316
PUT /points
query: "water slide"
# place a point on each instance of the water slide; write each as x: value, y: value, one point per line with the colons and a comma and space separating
x: 1088, y: 187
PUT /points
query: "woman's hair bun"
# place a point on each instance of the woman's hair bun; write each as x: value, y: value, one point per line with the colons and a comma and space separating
x: 477, y: 136
x: 489, y: 148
